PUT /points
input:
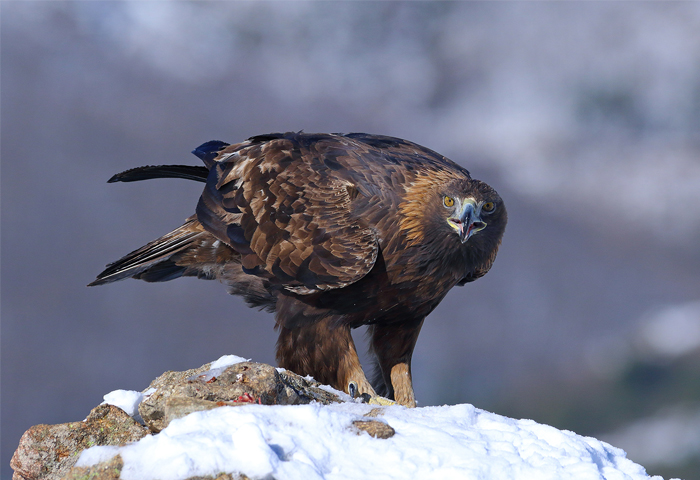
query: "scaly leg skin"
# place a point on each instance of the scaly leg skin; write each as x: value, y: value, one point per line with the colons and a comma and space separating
x: 393, y: 345
x: 403, y: 385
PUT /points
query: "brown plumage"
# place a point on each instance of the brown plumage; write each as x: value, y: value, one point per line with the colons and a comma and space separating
x: 330, y: 232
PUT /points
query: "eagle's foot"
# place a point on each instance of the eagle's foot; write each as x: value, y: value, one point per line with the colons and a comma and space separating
x: 377, y: 400
x: 354, y: 392
x: 360, y: 389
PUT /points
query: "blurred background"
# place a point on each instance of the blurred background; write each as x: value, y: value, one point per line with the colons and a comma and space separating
x: 584, y: 116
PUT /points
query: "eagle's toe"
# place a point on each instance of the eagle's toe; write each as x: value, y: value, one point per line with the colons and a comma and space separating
x: 377, y: 400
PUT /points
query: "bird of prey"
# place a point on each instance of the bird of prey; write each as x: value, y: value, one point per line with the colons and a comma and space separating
x: 329, y: 232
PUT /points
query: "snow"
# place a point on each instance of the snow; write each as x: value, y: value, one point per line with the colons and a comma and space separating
x: 227, y: 361
x: 127, y: 400
x: 318, y: 442
x: 218, y: 366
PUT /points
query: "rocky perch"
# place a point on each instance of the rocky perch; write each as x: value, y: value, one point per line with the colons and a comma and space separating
x: 49, y: 452
x: 234, y: 419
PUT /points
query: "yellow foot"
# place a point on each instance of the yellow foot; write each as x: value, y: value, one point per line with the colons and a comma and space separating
x: 377, y: 400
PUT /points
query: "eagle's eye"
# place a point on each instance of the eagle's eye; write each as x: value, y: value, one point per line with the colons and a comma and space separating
x: 488, y: 207
x: 448, y: 201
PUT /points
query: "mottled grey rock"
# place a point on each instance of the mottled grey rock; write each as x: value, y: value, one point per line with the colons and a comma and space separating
x: 178, y: 407
x: 48, y: 452
x: 238, y: 384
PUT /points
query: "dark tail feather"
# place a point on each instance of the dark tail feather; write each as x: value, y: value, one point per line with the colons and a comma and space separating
x: 151, y: 262
x: 207, y: 152
x: 188, y: 172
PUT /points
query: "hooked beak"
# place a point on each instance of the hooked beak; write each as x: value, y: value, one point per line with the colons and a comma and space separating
x: 468, y: 222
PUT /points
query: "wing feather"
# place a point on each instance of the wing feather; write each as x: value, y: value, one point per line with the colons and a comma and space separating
x: 287, y: 210
x: 148, y: 257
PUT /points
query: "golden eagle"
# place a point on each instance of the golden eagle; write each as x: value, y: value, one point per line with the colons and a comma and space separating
x: 329, y: 232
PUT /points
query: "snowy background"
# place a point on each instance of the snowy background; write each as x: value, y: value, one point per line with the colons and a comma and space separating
x: 584, y: 116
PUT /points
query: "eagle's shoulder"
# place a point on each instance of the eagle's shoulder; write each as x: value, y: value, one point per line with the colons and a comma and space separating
x: 408, y: 154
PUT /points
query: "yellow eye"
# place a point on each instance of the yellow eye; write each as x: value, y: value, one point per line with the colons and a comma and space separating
x: 448, y: 201
x: 488, y: 207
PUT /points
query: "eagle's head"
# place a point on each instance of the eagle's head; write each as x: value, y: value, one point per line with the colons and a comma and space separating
x: 473, y: 219
x: 455, y: 220
x: 471, y: 209
x: 452, y: 210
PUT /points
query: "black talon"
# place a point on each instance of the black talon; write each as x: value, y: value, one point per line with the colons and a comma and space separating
x: 353, y: 390
x: 366, y: 397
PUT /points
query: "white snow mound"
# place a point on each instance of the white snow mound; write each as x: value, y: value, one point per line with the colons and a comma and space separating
x: 127, y: 400
x: 317, y: 442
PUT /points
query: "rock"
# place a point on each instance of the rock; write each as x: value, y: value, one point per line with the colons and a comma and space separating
x: 238, y: 384
x: 171, y: 378
x: 178, y: 407
x: 49, y: 451
x: 109, y: 470
x: 112, y: 469
x: 222, y: 476
x: 375, y: 428
x: 375, y: 412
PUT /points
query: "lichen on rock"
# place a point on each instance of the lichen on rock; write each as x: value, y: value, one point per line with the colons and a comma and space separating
x: 48, y: 452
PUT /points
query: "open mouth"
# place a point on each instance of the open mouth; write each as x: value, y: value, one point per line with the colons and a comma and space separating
x: 467, y: 230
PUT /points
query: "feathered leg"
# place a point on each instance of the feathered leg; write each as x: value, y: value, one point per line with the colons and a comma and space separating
x: 325, y: 350
x: 393, y: 346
